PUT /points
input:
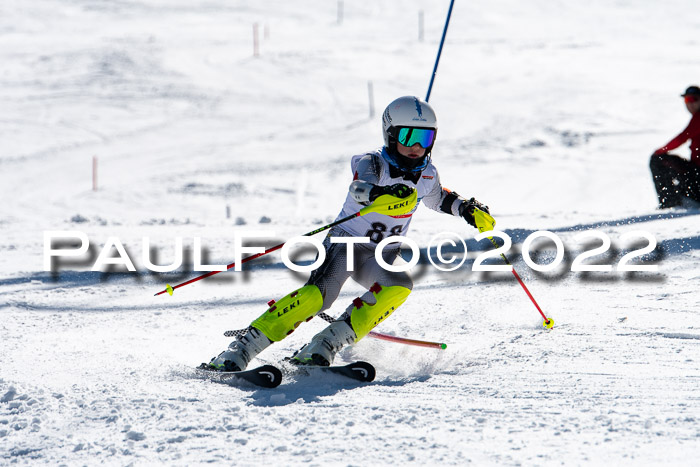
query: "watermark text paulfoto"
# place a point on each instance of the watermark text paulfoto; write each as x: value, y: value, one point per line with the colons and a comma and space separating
x: 76, y: 244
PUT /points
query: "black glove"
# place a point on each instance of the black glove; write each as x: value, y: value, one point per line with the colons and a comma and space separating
x: 398, y: 189
x: 466, y: 210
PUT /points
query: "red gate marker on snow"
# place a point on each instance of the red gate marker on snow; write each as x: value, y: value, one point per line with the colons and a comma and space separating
x: 94, y: 173
x: 256, y: 44
x: 420, y: 26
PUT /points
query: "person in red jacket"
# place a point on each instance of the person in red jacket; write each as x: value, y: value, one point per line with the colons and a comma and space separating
x: 675, y: 177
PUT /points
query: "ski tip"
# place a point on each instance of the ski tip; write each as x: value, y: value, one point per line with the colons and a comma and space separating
x: 169, y: 289
x: 271, y: 376
x: 363, y: 371
x: 266, y: 376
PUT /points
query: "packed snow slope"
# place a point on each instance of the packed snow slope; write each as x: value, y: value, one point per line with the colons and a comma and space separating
x: 548, y: 112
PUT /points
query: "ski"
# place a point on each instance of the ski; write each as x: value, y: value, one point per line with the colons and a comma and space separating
x: 266, y: 376
x: 359, y: 371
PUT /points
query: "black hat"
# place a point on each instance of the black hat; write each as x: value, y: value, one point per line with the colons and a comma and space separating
x: 691, y: 91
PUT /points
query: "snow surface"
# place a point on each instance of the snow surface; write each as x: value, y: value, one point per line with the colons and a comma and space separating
x: 548, y: 111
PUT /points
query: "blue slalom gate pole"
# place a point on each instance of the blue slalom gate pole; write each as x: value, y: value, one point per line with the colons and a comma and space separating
x: 442, y: 41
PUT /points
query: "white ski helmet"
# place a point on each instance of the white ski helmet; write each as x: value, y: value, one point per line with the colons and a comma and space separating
x: 409, y: 113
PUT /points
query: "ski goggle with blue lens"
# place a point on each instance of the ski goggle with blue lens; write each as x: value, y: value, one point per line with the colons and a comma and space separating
x: 409, y: 136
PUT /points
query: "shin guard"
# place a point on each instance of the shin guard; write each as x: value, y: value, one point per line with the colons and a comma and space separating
x: 364, y: 317
x: 283, y: 317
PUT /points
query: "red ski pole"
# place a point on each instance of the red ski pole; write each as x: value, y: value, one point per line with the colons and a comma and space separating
x: 379, y: 335
x: 485, y: 222
x: 170, y: 288
x: 403, y: 340
x: 385, y: 204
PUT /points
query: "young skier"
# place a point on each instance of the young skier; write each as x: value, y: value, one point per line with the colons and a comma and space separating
x: 400, y: 167
x: 674, y: 177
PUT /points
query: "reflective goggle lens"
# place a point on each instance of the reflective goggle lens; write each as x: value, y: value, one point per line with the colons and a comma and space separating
x: 688, y: 99
x: 410, y: 136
